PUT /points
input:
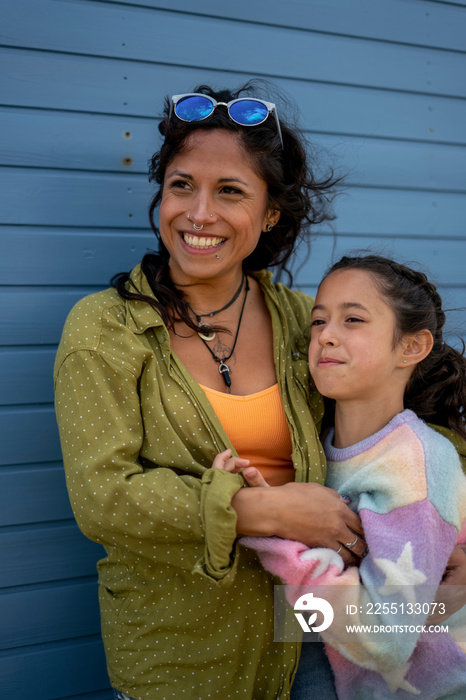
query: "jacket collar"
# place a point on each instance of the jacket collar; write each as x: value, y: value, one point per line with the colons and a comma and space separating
x: 139, y: 314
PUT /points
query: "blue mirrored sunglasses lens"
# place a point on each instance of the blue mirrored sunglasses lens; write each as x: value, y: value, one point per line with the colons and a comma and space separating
x: 192, y: 109
x: 248, y: 112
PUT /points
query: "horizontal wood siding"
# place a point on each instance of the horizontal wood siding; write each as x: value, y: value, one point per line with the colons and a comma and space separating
x: 381, y: 93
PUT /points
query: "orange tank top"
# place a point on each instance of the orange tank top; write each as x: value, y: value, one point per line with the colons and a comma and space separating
x: 257, y: 427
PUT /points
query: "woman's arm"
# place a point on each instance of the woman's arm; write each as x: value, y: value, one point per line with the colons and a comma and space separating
x: 306, y: 512
x: 153, y: 510
x: 309, y: 513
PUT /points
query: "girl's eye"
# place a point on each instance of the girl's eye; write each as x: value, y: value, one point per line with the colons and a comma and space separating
x: 317, y: 322
x: 354, y: 319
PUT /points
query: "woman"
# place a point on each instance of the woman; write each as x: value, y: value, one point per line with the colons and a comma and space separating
x: 189, y: 356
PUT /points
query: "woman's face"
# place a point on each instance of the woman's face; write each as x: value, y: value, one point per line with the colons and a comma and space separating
x: 211, y: 184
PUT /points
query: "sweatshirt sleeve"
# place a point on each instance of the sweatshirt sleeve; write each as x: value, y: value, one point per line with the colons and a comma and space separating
x: 408, y: 549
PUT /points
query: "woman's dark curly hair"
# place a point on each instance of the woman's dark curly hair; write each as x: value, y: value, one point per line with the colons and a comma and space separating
x: 436, y: 391
x: 301, y: 196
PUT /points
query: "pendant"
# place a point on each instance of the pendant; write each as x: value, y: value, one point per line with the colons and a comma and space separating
x: 225, y: 372
x: 207, y: 336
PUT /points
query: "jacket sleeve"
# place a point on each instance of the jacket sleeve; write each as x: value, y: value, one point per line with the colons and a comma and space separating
x: 458, y: 442
x: 155, y: 512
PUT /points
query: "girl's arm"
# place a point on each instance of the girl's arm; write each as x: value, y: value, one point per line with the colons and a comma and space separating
x: 409, y: 546
x: 451, y: 593
x: 398, y: 577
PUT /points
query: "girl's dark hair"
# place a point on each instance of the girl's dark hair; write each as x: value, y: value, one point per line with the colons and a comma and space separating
x: 436, y: 390
x: 302, y: 197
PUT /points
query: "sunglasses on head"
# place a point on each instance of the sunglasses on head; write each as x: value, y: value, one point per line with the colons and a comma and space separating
x: 247, y: 111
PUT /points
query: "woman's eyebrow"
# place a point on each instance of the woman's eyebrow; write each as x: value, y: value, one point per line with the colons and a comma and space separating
x: 178, y: 173
x: 232, y: 179
x: 221, y: 180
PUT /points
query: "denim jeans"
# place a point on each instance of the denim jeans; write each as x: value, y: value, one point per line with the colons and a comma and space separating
x: 314, y: 677
x: 120, y: 696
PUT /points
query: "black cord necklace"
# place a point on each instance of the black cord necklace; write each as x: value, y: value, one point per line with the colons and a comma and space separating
x: 223, y: 368
x: 208, y: 334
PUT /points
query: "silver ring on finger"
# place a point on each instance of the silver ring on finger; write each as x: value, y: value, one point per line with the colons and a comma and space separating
x: 339, y: 549
x: 350, y: 545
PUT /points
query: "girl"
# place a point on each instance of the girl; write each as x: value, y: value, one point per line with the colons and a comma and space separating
x: 376, y: 350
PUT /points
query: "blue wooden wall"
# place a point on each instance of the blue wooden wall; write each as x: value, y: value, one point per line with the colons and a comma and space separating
x: 380, y: 83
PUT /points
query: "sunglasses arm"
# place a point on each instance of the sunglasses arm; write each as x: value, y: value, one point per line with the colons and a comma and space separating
x: 278, y: 126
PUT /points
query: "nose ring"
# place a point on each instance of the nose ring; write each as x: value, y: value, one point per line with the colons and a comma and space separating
x: 195, y: 227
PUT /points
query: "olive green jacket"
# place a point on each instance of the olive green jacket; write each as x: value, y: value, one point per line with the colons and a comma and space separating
x: 185, y: 610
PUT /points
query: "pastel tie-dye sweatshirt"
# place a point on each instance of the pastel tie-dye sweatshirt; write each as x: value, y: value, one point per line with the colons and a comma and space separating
x: 407, y: 485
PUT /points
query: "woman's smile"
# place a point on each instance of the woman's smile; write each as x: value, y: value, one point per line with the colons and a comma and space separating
x: 202, y: 242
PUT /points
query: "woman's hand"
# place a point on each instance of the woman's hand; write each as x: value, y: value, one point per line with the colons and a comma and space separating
x: 452, y: 591
x: 331, y: 523
x: 309, y: 513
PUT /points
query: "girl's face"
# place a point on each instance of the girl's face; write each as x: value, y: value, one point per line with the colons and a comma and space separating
x: 212, y: 182
x: 351, y: 353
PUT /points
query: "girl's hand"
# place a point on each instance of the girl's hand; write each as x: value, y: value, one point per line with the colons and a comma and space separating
x: 225, y: 461
x: 452, y: 591
x: 254, y: 477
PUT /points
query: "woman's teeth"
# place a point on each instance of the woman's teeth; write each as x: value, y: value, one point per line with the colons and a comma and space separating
x: 202, y: 241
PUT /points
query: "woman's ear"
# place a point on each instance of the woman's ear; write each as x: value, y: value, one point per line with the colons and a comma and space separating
x: 271, y: 219
x: 416, y: 347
